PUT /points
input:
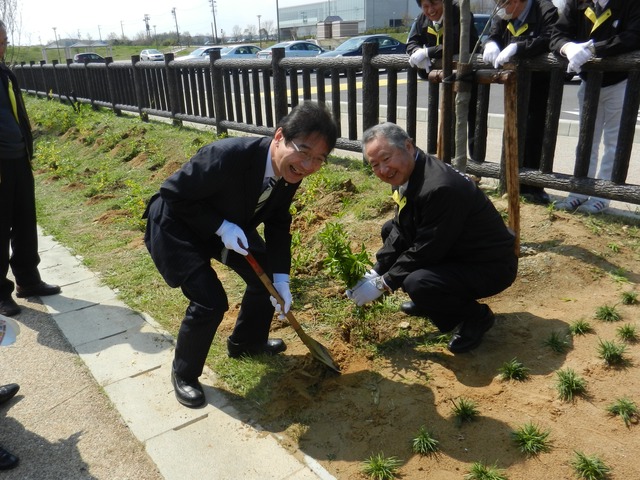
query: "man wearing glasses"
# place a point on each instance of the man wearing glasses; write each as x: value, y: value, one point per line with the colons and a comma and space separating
x: 210, y: 209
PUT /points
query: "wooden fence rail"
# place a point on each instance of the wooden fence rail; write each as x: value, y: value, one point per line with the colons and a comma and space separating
x: 251, y: 95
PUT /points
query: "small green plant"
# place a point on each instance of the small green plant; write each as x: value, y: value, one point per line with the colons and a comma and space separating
x: 465, y: 410
x: 531, y: 439
x: 614, y: 247
x: 626, y: 409
x: 607, y: 313
x: 580, y: 327
x: 630, y: 298
x: 513, y: 370
x: 627, y: 333
x: 611, y: 352
x: 379, y: 467
x: 590, y: 467
x: 569, y: 384
x: 341, y: 262
x: 557, y: 342
x: 619, y: 275
x: 479, y: 471
x: 424, y: 443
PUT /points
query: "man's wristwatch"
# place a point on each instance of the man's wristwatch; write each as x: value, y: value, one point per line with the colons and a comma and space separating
x: 380, y: 285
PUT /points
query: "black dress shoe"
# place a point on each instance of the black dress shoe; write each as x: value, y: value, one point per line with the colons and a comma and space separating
x: 411, y: 308
x: 41, y: 289
x: 7, y: 392
x: 7, y: 461
x: 536, y: 195
x: 188, y: 393
x: 273, y: 346
x: 471, y: 332
x: 9, y: 307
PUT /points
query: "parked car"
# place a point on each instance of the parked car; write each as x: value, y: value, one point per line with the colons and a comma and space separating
x: 88, y: 57
x: 239, y: 51
x: 294, y: 48
x: 152, y: 54
x: 353, y: 46
x: 197, y: 54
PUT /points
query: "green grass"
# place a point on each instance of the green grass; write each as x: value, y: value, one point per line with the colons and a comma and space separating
x: 580, y: 327
x: 557, y: 342
x: 590, y: 467
x: 569, y: 384
x: 479, y: 471
x: 627, y: 333
x: 424, y: 443
x: 531, y: 440
x: 513, y: 370
x: 379, y: 467
x: 464, y: 410
x: 608, y: 313
x: 612, y: 353
x: 626, y: 409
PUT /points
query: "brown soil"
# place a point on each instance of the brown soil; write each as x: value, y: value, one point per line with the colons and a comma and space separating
x: 380, y: 401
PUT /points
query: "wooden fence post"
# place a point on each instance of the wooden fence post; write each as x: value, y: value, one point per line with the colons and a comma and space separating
x: 218, y: 92
x: 370, y: 87
x: 511, y: 153
x: 279, y: 84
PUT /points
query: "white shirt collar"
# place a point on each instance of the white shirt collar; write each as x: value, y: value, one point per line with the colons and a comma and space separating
x: 268, y: 171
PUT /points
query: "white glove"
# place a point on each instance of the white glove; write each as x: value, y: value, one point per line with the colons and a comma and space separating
x: 281, y: 284
x: 233, y: 237
x: 365, y: 293
x: 505, y: 55
x: 490, y: 52
x: 578, y: 54
x: 367, y: 276
x: 420, y: 59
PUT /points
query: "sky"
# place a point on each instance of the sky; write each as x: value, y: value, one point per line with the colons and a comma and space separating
x: 97, y: 19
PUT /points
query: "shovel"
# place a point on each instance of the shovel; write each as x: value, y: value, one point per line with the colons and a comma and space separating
x: 317, y: 350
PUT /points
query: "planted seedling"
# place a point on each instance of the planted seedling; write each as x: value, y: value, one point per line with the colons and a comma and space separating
x: 627, y: 333
x: 626, y: 409
x: 424, y: 443
x: 590, y: 467
x: 465, y: 410
x: 379, y: 467
x: 569, y: 384
x: 341, y: 261
x: 479, y: 471
x: 611, y: 352
x: 607, y: 313
x: 630, y: 298
x: 580, y: 327
x: 514, y: 370
x: 557, y: 342
x: 531, y: 439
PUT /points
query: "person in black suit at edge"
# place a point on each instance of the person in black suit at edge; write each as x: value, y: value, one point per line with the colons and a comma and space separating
x: 210, y: 209
x: 446, y: 246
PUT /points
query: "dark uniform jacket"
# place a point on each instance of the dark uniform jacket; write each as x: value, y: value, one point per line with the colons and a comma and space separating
x: 423, y: 34
x: 223, y: 181
x: 446, y: 218
x: 534, y: 34
x: 8, y: 77
x: 617, y: 31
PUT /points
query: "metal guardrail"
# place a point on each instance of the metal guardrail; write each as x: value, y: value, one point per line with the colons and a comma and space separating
x: 251, y: 95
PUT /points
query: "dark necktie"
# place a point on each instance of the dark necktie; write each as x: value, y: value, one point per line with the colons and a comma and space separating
x: 266, y: 192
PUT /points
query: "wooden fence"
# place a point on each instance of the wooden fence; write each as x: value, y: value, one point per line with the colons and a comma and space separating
x: 250, y: 95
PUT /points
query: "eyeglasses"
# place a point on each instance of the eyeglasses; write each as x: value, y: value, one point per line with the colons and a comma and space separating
x: 316, y: 161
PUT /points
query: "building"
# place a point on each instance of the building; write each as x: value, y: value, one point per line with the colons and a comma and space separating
x: 304, y: 20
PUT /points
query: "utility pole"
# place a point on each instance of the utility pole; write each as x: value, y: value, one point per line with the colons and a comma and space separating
x: 215, y: 27
x: 122, y: 29
x: 99, y: 34
x: 155, y: 36
x: 55, y: 35
x: 175, y: 17
x: 259, y: 34
x: 278, y: 20
x: 146, y: 24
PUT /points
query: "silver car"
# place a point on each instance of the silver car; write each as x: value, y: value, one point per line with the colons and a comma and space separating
x: 294, y: 48
x: 152, y: 54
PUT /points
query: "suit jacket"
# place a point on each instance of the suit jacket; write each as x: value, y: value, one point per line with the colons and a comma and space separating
x: 421, y: 35
x: 6, y: 76
x: 222, y: 181
x: 534, y: 40
x: 446, y: 219
x: 619, y: 33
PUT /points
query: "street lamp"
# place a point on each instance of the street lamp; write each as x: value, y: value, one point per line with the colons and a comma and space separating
x: 259, y: 34
x: 55, y: 35
x: 278, y: 20
x: 175, y: 17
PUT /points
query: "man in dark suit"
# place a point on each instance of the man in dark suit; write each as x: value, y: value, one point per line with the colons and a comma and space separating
x: 210, y: 209
x: 447, y: 245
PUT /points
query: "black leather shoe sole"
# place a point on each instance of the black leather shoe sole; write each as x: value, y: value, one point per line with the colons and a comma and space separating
x: 9, y: 307
x: 411, y: 308
x: 42, y: 289
x: 7, y: 392
x: 470, y: 334
x: 7, y: 460
x: 189, y: 394
x: 273, y: 346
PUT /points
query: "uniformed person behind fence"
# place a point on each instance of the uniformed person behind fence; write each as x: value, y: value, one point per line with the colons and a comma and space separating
x: 446, y: 246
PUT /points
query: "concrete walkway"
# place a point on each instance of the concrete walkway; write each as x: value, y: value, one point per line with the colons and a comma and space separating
x: 130, y: 356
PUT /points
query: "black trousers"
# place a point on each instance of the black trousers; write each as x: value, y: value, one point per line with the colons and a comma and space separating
x: 18, y: 226
x: 207, y: 304
x: 448, y: 292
